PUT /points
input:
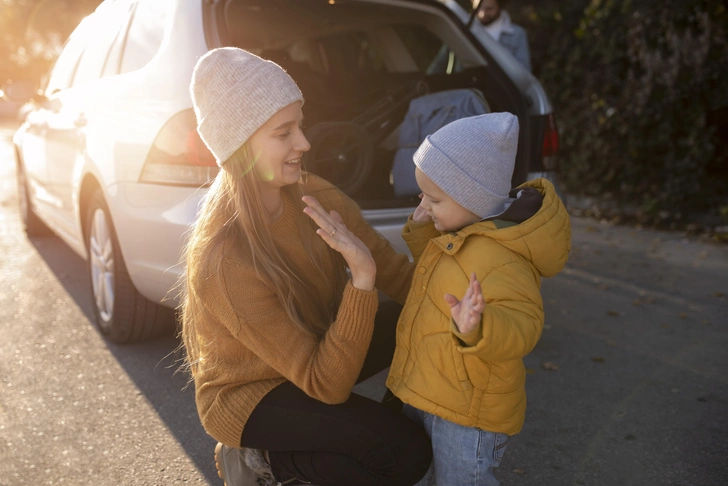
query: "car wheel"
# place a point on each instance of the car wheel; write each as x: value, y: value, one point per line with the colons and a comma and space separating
x: 31, y: 222
x: 121, y: 312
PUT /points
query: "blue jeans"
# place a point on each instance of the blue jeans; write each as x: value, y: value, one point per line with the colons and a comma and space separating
x: 462, y: 456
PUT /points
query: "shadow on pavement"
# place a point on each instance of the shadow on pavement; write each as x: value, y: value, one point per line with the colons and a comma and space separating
x: 150, y: 365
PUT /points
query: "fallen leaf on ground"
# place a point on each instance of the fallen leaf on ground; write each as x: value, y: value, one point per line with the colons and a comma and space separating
x: 598, y: 359
x: 519, y: 471
x: 718, y: 294
x: 550, y: 366
x: 611, y: 343
x: 683, y: 315
x: 614, y: 313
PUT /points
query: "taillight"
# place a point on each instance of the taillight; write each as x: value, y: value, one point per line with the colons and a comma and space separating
x: 550, y: 144
x: 178, y: 156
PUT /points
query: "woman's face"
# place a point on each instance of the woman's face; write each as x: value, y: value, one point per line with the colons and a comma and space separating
x: 278, y: 146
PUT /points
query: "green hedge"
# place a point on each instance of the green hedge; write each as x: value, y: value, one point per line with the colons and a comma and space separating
x: 640, y: 91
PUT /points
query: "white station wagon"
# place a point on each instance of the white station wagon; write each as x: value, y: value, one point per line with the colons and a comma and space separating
x: 110, y: 161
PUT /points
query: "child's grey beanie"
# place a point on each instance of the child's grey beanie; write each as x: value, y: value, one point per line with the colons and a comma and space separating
x: 234, y: 92
x: 472, y: 160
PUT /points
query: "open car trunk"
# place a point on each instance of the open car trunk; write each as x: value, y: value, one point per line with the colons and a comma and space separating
x: 359, y: 64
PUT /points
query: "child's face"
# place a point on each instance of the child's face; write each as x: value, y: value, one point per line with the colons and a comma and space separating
x: 444, y: 211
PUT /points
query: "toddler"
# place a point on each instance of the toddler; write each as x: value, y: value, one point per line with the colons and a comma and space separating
x: 474, y: 309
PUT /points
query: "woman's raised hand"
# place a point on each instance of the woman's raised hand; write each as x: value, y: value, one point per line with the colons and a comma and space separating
x: 335, y: 233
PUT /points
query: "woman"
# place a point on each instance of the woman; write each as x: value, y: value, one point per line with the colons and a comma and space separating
x: 276, y: 335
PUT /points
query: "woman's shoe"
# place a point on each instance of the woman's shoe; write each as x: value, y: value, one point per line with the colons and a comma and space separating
x: 242, y: 467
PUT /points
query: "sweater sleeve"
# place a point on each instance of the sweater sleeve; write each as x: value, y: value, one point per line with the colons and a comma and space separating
x: 512, y: 321
x: 327, y: 368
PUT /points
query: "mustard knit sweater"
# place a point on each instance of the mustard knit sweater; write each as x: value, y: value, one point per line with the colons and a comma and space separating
x: 251, y: 346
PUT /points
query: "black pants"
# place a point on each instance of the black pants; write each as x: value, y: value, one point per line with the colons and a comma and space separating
x: 359, y: 442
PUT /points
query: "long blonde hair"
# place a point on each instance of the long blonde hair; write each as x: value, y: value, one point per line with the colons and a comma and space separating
x: 233, y: 213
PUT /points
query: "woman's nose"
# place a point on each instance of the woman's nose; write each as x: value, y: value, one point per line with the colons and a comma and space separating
x: 302, y: 143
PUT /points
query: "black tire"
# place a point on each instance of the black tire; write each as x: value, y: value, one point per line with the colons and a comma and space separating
x: 121, y: 312
x: 32, y: 224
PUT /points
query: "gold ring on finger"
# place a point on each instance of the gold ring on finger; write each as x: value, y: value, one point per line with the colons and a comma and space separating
x: 333, y: 233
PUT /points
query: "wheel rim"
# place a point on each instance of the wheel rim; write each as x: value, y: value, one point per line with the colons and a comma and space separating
x: 101, y: 257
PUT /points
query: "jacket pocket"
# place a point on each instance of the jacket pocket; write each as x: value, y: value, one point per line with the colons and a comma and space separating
x: 477, y: 369
x: 438, y: 373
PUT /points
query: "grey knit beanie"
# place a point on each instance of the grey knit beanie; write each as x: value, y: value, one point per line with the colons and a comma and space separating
x: 234, y: 92
x: 472, y: 159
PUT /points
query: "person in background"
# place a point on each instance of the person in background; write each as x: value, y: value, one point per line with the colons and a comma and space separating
x: 493, y: 21
x: 497, y: 23
x: 475, y: 308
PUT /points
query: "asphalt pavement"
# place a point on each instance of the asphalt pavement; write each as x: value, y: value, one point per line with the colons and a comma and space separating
x: 627, y: 385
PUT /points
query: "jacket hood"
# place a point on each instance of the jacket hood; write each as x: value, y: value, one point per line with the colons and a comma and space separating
x: 544, y: 238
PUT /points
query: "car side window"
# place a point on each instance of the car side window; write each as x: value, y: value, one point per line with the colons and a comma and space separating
x: 64, y: 67
x: 112, y: 65
x: 106, y: 25
x: 145, y: 34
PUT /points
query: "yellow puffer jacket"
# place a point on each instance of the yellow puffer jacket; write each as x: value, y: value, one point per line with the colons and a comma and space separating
x: 477, y: 380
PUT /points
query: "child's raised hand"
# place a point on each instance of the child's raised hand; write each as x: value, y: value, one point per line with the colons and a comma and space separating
x: 420, y: 215
x: 466, y: 313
